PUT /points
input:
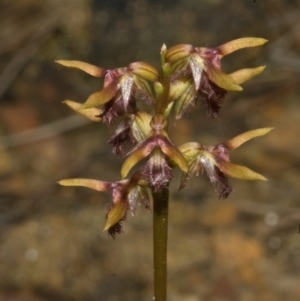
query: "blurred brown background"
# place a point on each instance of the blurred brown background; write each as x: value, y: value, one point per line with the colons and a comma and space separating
x: 52, y: 246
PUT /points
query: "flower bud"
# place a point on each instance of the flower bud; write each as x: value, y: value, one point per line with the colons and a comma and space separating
x: 178, y: 52
x: 141, y: 125
x: 185, y: 101
x: 178, y: 87
x: 144, y: 70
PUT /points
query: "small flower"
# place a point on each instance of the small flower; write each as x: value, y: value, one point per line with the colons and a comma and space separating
x: 121, y: 86
x: 132, y: 129
x: 200, y: 70
x: 121, y: 136
x: 161, y: 153
x: 215, y: 161
x: 141, y: 127
x: 126, y: 194
x: 157, y: 170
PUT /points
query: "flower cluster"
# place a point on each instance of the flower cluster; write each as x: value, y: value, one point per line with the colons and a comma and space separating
x: 187, y: 74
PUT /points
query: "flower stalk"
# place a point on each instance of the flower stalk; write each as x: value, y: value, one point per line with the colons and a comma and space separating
x: 160, y: 242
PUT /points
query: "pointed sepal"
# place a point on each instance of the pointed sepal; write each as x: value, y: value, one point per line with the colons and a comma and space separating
x: 101, y: 97
x: 142, y: 150
x: 86, y: 67
x: 222, y: 80
x: 116, y: 214
x: 246, y: 74
x: 92, y: 113
x: 173, y: 154
x: 237, y: 44
x: 242, y: 138
x: 239, y: 172
x: 89, y: 183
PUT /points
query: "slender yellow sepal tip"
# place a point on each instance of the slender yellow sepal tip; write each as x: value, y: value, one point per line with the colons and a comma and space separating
x: 89, y: 183
x: 242, y: 138
x: 92, y: 114
x: 240, y: 172
x: 244, y: 75
x: 86, y: 67
x: 237, y: 44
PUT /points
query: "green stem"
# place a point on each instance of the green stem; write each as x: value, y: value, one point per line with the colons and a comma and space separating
x: 160, y: 241
x: 162, y: 97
